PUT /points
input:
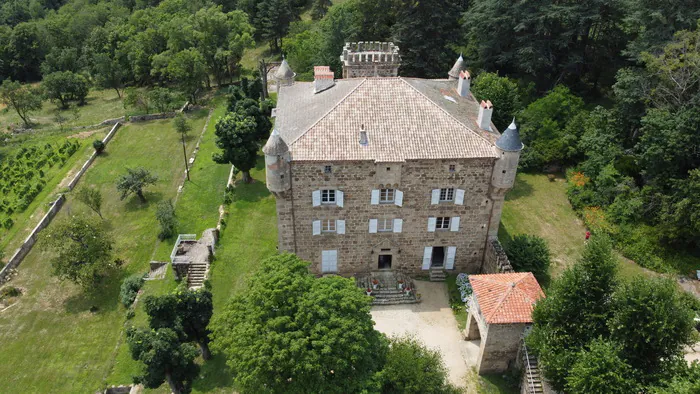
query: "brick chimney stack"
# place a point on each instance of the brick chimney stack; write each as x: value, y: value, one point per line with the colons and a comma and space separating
x: 323, y: 78
x: 485, y: 112
x: 464, y: 83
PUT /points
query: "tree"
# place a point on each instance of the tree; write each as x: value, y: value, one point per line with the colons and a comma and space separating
x: 320, y: 8
x: 185, y: 311
x: 236, y: 136
x: 529, y: 253
x: 83, y: 251
x: 181, y: 126
x: 652, y: 323
x: 21, y: 98
x: 166, y: 359
x: 99, y: 146
x: 544, y: 129
x: 575, y: 311
x: 318, y: 333
x: 92, y: 198
x: 134, y: 181
x: 272, y: 20
x: 503, y: 92
x: 138, y: 99
x: 187, y: 69
x: 165, y: 214
x: 108, y: 73
x: 251, y: 109
x: 600, y: 369
x: 59, y: 118
x: 162, y: 99
x: 65, y: 86
x: 412, y: 368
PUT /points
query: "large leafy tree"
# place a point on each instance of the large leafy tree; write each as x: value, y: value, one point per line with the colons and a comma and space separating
x: 575, y: 311
x: 272, y: 20
x: 251, y: 109
x: 82, y: 250
x: 600, y: 369
x: 237, y: 137
x: 503, y: 92
x: 22, y: 98
x: 188, y: 69
x: 134, y: 181
x: 92, y: 198
x: 165, y: 358
x: 290, y: 332
x: 186, y: 311
x: 63, y: 87
x: 529, y: 253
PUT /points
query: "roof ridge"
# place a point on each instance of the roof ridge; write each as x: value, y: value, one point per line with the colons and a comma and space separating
x: 447, y: 113
x: 500, y: 302
x: 328, y: 112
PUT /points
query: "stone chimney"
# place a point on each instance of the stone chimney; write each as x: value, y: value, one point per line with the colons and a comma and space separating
x: 485, y: 112
x: 464, y: 83
x: 323, y: 78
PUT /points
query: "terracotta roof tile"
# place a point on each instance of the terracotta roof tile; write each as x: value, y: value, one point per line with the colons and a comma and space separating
x: 506, y: 298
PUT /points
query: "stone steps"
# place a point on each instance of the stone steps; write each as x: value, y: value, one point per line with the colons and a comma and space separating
x: 437, y: 275
x: 388, y: 292
x: 196, y: 275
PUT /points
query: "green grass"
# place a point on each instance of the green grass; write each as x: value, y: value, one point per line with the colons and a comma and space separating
x: 453, y: 291
x: 51, y: 342
x: 540, y: 207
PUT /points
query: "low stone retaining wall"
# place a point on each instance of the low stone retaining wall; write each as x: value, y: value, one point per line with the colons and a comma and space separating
x: 495, y: 260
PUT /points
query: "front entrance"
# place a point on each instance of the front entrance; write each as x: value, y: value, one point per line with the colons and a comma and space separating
x: 438, y: 258
x: 384, y: 261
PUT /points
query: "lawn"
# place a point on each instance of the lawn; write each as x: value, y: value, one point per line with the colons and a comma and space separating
x: 52, y: 341
x: 540, y: 207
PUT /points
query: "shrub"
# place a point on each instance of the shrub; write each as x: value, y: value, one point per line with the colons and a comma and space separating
x: 99, y: 146
x: 130, y: 287
x: 165, y: 213
x: 529, y: 253
x: 10, y: 291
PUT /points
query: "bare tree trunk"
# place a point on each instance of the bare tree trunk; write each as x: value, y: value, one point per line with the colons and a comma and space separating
x: 141, y: 196
x: 174, y: 387
x: 246, y: 177
x: 206, y: 353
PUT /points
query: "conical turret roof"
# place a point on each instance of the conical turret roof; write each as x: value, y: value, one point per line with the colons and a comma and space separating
x: 459, y: 66
x: 284, y: 71
x: 275, y: 145
x: 510, y: 141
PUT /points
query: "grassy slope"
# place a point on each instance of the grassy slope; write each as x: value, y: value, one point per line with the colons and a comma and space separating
x: 51, y: 341
x: 540, y: 207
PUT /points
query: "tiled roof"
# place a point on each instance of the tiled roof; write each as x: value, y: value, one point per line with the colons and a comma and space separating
x: 401, y: 122
x: 506, y: 298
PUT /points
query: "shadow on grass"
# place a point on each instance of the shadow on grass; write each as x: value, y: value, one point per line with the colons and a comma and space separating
x: 135, y: 204
x: 521, y: 189
x: 214, y: 374
x: 250, y: 192
x: 100, y: 299
x: 503, y: 384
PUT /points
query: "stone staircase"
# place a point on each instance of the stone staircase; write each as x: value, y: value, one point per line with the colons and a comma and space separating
x: 387, y: 291
x: 437, y: 275
x: 532, y: 376
x: 196, y: 274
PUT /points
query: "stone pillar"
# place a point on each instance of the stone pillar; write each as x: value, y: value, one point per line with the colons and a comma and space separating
x: 497, y: 200
x: 472, y: 330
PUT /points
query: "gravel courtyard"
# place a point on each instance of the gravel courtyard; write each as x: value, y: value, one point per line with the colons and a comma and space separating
x: 433, y: 323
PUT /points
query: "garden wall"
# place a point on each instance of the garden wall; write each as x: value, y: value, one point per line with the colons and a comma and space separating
x: 495, y: 259
x: 23, y: 250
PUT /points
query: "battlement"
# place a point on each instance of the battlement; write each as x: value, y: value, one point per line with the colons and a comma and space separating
x: 370, y: 59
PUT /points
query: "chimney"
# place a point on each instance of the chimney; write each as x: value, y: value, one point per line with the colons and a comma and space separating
x: 485, y: 112
x: 323, y: 78
x: 464, y: 83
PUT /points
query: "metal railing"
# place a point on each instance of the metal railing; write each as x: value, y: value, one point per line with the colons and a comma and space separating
x: 180, y: 238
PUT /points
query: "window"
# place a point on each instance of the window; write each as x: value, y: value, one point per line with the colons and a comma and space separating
x: 447, y: 194
x: 327, y: 196
x: 452, y: 168
x: 442, y: 223
x: 328, y: 226
x: 385, y: 225
x: 386, y: 196
x: 327, y: 169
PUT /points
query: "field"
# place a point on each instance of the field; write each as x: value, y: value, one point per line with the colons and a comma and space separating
x: 52, y: 341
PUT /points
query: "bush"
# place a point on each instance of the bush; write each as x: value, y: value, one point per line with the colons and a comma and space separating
x: 529, y: 253
x: 99, y: 146
x: 165, y: 213
x: 9, y: 291
x: 130, y: 287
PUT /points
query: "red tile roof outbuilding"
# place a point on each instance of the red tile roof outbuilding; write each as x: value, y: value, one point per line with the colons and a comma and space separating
x: 506, y: 298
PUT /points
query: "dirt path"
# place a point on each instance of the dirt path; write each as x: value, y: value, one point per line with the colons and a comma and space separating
x: 433, y: 323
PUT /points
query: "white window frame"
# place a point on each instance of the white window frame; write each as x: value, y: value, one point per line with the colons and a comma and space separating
x: 442, y: 223
x: 387, y: 196
x: 447, y: 194
x: 328, y: 226
x: 328, y: 197
x: 385, y: 225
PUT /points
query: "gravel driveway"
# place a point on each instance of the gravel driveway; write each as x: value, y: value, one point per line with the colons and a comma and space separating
x: 432, y: 322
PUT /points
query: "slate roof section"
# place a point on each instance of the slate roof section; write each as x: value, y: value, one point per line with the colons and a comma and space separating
x: 510, y: 140
x: 506, y: 298
x: 404, y: 120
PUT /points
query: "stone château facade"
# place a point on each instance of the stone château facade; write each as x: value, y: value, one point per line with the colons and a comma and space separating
x: 376, y: 171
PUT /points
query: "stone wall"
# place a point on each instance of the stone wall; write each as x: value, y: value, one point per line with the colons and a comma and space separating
x: 358, y: 249
x: 28, y: 244
x: 495, y: 259
x: 499, y: 347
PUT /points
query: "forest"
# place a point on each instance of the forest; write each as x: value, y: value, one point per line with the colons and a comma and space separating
x: 606, y: 91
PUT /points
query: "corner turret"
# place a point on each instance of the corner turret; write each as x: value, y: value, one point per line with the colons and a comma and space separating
x: 284, y: 76
x: 453, y: 74
x: 509, y: 146
x: 277, y: 170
